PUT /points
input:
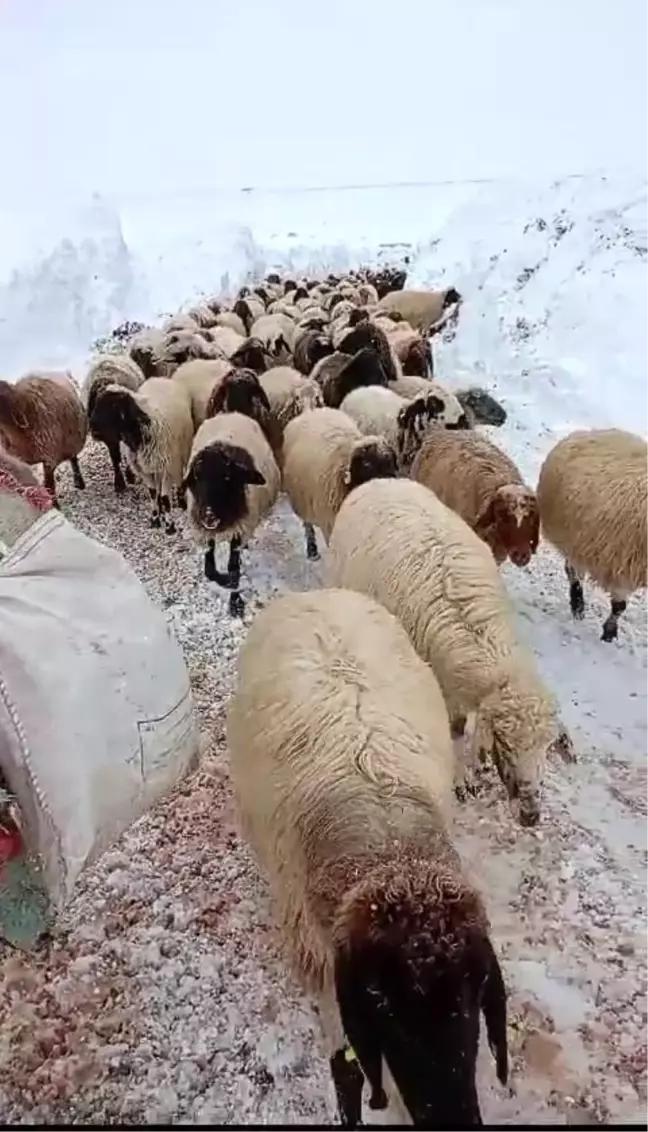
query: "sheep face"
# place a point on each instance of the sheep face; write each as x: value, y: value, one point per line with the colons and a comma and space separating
x: 411, y: 978
x: 364, y: 368
x: 368, y: 334
x: 273, y: 279
x: 117, y: 416
x: 371, y: 458
x: 217, y: 478
x: 144, y: 357
x: 252, y: 355
x: 289, y: 285
x: 314, y: 322
x: 319, y: 346
x: 242, y: 309
x: 451, y: 296
x: 484, y: 407
x: 510, y: 524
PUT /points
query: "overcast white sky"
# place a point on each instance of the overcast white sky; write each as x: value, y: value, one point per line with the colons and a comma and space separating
x: 166, y: 94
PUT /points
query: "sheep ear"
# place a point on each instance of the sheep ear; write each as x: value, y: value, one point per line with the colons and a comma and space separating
x: 494, y: 1009
x: 253, y: 476
x: 263, y: 398
x: 433, y: 405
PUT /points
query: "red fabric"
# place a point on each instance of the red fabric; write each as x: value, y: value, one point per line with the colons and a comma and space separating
x: 37, y: 496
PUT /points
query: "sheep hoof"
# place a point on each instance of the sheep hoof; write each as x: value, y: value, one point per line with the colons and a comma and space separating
x: 156, y: 521
x: 236, y: 605
x: 312, y: 553
x: 610, y: 631
x: 578, y: 613
x: 170, y: 528
x: 120, y: 486
x: 130, y: 475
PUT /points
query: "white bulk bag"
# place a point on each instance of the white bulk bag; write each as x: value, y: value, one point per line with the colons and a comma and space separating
x: 96, y: 716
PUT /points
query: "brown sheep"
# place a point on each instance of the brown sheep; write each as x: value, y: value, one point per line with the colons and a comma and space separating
x: 43, y: 421
x: 470, y: 474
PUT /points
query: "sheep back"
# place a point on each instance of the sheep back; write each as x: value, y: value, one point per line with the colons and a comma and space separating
x: 199, y: 379
x: 167, y: 404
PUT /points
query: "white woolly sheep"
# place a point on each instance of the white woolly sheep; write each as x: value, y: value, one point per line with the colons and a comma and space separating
x: 325, y: 456
x: 249, y: 309
x: 593, y: 503
x: 156, y: 426
x: 230, y: 320
x: 342, y: 771
x: 481, y: 483
x: 395, y: 541
x: 43, y: 421
x: 379, y: 411
x: 179, y: 322
x: 227, y: 339
x: 203, y: 315
x: 232, y: 482
x: 110, y: 369
x: 277, y: 332
x: 422, y: 309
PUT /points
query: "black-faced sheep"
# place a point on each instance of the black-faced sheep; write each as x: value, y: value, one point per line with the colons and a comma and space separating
x: 325, y: 456
x: 366, y: 335
x: 592, y: 496
x: 277, y: 333
x: 232, y: 482
x: 156, y: 426
x: 340, y: 373
x: 422, y: 309
x: 43, y: 421
x: 248, y: 310
x: 396, y: 542
x: 110, y: 369
x: 481, y: 405
x: 252, y: 355
x: 481, y: 483
x: 310, y: 347
x: 379, y: 411
x: 342, y: 771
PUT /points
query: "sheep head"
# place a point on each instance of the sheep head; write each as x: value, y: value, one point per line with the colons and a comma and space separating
x: 252, y: 355
x: 116, y: 415
x: 510, y: 524
x: 218, y: 478
x: 364, y: 368
x: 371, y: 458
x: 413, y: 969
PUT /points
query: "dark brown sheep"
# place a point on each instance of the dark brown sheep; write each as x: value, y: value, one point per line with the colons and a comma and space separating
x: 43, y: 421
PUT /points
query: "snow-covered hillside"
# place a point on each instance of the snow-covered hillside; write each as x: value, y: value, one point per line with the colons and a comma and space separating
x: 164, y: 998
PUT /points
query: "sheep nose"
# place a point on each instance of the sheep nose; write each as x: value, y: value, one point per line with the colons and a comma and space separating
x: 520, y: 557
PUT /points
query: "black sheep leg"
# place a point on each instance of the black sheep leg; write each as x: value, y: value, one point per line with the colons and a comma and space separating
x: 236, y: 603
x: 611, y: 623
x: 311, y: 541
x: 155, y: 511
x: 76, y: 473
x: 167, y: 518
x: 348, y: 1080
x: 576, y: 598
x: 181, y: 498
x: 115, y: 459
x: 129, y: 473
x: 211, y: 573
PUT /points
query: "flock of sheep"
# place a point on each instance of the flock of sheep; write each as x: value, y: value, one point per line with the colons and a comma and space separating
x: 347, y: 727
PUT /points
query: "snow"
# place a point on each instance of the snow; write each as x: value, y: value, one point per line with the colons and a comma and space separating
x: 166, y: 999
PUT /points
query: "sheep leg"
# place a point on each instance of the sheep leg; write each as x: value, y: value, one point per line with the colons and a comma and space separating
x: 181, y: 498
x: 618, y: 605
x: 236, y: 603
x: 129, y: 473
x: 165, y: 510
x: 463, y: 781
x: 348, y: 1080
x: 50, y: 484
x: 76, y: 473
x: 576, y: 598
x: 311, y: 541
x: 155, y: 510
x: 115, y: 459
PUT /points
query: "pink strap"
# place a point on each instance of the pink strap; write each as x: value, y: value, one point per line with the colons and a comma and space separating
x: 39, y: 497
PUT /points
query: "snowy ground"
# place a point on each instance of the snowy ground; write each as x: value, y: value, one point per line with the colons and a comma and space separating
x: 163, y: 997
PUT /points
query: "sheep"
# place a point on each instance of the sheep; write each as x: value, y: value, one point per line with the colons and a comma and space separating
x: 309, y: 347
x: 178, y: 347
x: 314, y: 319
x: 241, y: 391
x: 277, y: 332
x: 110, y: 369
x: 249, y: 309
x: 43, y: 421
x: 367, y: 335
x: 411, y: 388
x: 289, y: 393
x: 325, y: 456
x: 481, y: 406
x: 232, y: 482
x: 342, y: 773
x: 592, y: 501
x: 253, y: 355
x: 199, y: 379
x: 422, y: 309
x: 156, y: 425
x: 338, y: 374
x: 378, y: 410
x: 413, y: 352
x: 144, y: 348
x: 179, y: 322
x: 203, y: 315
x: 387, y: 280
x: 471, y: 475
x: 396, y: 542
